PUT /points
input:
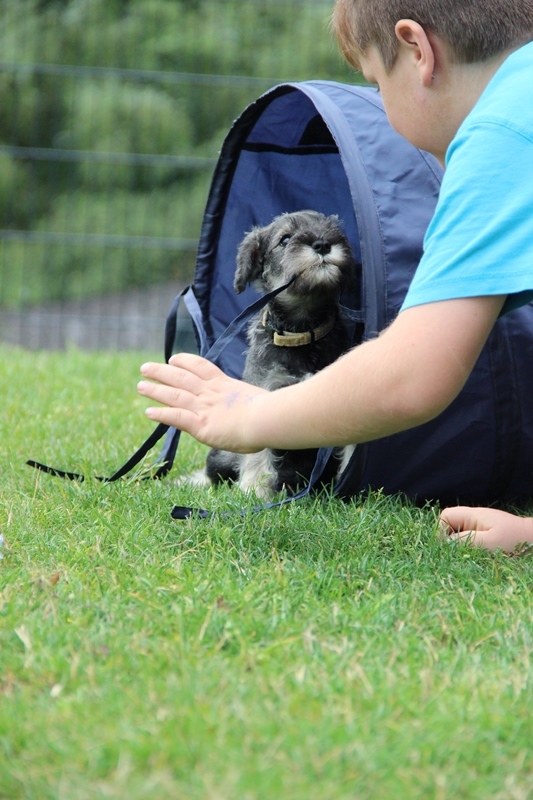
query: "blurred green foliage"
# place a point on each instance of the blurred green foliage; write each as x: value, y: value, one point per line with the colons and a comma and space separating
x: 99, y: 76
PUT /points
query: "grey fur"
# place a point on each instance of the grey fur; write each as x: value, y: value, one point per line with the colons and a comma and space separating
x: 312, y: 249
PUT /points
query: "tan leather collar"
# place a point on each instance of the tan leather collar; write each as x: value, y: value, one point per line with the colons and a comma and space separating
x: 292, y: 339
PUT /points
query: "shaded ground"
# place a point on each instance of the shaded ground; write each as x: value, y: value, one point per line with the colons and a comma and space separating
x: 132, y: 320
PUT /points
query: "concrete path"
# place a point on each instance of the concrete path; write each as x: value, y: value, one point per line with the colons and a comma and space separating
x: 133, y: 320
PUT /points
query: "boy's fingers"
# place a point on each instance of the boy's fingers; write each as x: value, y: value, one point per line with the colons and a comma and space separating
x: 488, y: 539
x: 463, y: 531
x: 169, y: 395
x: 186, y: 371
x: 460, y: 518
x: 179, y: 418
x: 171, y: 376
x: 470, y: 537
x: 490, y: 528
x: 196, y: 365
x: 462, y: 524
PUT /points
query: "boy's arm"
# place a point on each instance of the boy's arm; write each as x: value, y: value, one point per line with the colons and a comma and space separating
x: 405, y: 377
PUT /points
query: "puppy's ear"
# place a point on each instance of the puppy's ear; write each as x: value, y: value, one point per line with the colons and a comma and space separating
x: 250, y: 258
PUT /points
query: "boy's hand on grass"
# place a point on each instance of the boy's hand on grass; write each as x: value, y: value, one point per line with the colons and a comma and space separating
x: 488, y: 527
x: 200, y: 399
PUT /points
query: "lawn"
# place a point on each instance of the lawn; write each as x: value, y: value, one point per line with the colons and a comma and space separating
x: 322, y: 650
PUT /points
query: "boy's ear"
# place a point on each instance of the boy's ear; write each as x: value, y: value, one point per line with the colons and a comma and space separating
x: 419, y: 47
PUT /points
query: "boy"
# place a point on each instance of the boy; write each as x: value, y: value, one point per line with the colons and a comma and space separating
x: 457, y: 80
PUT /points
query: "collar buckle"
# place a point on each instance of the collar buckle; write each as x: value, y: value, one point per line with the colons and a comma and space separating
x: 283, y: 338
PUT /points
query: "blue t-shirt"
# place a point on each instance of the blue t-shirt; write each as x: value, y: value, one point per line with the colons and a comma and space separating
x: 480, y: 240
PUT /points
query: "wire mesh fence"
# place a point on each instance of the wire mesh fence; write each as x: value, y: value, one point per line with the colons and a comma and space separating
x: 113, y: 112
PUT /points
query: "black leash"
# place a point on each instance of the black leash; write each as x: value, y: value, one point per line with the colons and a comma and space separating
x: 167, y: 455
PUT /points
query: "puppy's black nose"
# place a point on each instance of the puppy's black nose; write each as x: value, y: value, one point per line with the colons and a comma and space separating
x: 321, y: 246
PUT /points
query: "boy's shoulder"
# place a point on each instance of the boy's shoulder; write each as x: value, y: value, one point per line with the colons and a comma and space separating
x: 509, y: 94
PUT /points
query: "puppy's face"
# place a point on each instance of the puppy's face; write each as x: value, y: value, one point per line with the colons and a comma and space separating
x: 306, y: 246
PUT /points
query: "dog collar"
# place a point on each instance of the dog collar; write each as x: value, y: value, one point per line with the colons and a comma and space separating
x: 293, y: 339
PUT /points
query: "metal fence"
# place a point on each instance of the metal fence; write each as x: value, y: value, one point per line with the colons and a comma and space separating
x: 112, y: 117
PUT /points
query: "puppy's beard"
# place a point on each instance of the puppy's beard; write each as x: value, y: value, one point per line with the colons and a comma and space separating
x: 312, y: 270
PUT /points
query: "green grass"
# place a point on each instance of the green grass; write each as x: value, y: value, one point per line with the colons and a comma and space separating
x: 318, y: 651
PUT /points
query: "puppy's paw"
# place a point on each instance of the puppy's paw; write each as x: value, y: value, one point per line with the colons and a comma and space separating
x: 261, y: 489
x: 258, y: 475
x: 197, y: 478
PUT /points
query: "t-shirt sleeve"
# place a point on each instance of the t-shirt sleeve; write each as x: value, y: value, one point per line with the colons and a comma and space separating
x: 480, y: 240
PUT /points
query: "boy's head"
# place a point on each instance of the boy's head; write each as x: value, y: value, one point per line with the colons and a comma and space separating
x: 473, y: 30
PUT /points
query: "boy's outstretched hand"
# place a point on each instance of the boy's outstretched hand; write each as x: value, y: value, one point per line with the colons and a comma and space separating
x: 487, y: 527
x: 400, y: 379
x: 200, y: 399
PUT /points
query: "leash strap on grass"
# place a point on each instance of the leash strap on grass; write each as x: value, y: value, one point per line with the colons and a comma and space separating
x: 166, y: 456
x: 168, y: 452
x: 58, y: 473
x: 323, y: 456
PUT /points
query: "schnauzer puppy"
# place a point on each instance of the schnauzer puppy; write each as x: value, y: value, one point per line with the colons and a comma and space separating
x: 298, y: 333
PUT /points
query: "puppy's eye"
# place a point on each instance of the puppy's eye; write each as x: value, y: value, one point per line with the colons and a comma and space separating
x: 284, y: 241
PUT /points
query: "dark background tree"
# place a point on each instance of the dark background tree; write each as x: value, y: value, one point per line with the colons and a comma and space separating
x: 112, y: 115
